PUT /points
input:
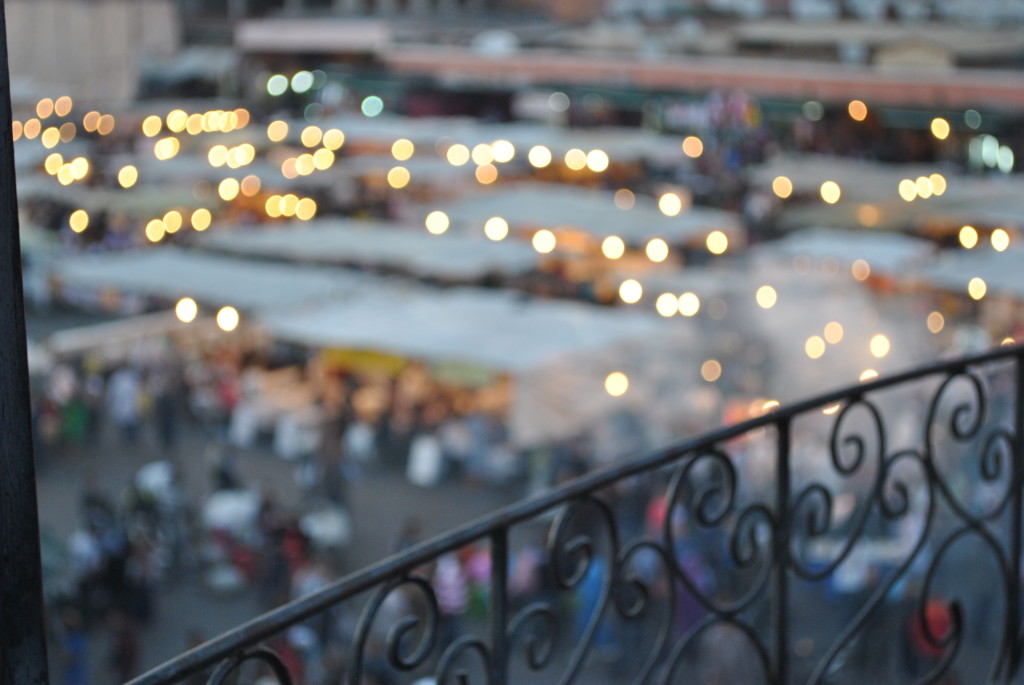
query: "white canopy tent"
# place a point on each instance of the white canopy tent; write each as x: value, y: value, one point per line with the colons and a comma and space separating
x: 890, y: 253
x: 554, y: 206
x: 173, y: 273
x: 558, y: 352
x: 379, y: 243
x: 1001, y: 271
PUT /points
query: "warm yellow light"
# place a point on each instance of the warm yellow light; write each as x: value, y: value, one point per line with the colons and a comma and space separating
x: 860, y: 269
x: 688, y: 304
x: 504, y: 151
x: 1000, y: 240
x: 1008, y: 341
x: 834, y: 332
x: 625, y: 199
x: 940, y: 128
x: 657, y: 250
x: 830, y: 192
x: 155, y: 231
x: 64, y: 175
x: 402, y: 149
x: 868, y: 215
x: 831, y: 409
x: 486, y: 174
x: 241, y: 155
x: 867, y: 375
x: 693, y: 147
x: 616, y: 384
x: 670, y: 204
x: 172, y: 221
x: 968, y: 237
x: 50, y: 137
x: 769, y: 405
x: 277, y: 131
x: 228, y: 189
x: 194, y: 124
x: 576, y: 159
x: 333, y: 139
x: 544, y: 241
x: 151, y: 125
x: 304, y: 164
x: 323, y: 159
x: 879, y: 346
x: 176, y: 120
x: 717, y: 242
x: 539, y: 156
x: 79, y: 168
x: 273, y: 206
x: 241, y: 117
x: 54, y: 161
x: 201, y: 219
x: 631, y: 291
x: 711, y: 370
x: 305, y: 209
x: 458, y: 155
x: 16, y: 129
x: 597, y: 161
x: 482, y: 154
x: 923, y: 186
x: 782, y: 187
x: 935, y: 322
x: 858, y: 110
x: 91, y: 120
x: 62, y: 106
x: 977, y: 288
x: 289, y: 168
x: 398, y: 177
x: 227, y: 319
x: 667, y: 304
x: 32, y: 128
x: 250, y: 185
x: 217, y: 156
x: 938, y: 184
x: 814, y: 347
x: 289, y: 204
x: 79, y: 220
x: 766, y: 297
x: 496, y: 228
x: 44, y: 108
x: 437, y: 222
x: 166, y: 148
x: 186, y: 310
x: 613, y: 247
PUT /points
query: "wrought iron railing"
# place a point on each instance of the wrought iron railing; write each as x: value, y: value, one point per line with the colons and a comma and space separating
x: 872, y: 532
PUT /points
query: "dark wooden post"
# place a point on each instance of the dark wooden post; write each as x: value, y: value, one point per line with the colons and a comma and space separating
x: 22, y: 631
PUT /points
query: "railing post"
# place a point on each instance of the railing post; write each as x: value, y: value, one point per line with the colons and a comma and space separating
x: 780, y: 557
x: 499, y: 607
x: 1017, y: 469
x: 22, y: 634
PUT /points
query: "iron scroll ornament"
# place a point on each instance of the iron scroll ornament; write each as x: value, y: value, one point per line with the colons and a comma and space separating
x: 968, y: 443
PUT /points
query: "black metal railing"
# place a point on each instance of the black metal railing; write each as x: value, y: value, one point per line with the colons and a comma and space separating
x: 872, y: 534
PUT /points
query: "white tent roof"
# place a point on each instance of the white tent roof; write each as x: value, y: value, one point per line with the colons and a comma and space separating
x: 381, y: 244
x: 1001, y: 271
x: 884, y: 252
x: 498, y: 330
x: 554, y: 206
x: 174, y: 273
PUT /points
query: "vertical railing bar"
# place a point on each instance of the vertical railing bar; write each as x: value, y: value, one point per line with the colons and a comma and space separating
x: 22, y: 630
x: 499, y: 607
x: 780, y: 580
x: 1017, y: 511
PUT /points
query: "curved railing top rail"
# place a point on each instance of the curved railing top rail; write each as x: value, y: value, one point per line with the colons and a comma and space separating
x: 274, y: 621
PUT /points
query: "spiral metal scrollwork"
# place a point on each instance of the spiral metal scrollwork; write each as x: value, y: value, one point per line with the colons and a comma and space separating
x: 911, y: 512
